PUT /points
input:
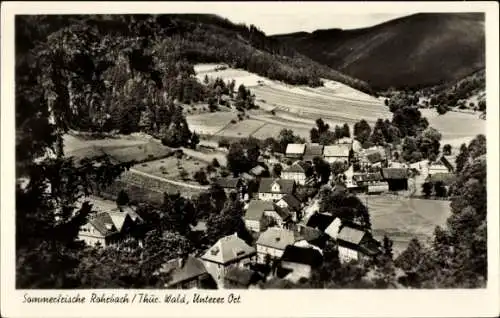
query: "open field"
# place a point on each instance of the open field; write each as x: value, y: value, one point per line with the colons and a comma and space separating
x: 167, y: 167
x: 404, y: 218
x: 456, y: 127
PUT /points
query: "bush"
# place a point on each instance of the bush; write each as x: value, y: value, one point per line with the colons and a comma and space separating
x: 224, y: 143
x: 215, y: 163
x: 201, y: 177
x: 233, y: 121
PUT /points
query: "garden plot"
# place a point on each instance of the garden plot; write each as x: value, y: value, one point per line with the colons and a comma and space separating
x: 170, y: 168
x: 242, y: 128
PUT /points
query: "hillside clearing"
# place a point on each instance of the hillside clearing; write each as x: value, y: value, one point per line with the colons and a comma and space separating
x: 404, y: 218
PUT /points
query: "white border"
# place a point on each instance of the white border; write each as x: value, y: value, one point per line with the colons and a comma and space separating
x: 289, y: 303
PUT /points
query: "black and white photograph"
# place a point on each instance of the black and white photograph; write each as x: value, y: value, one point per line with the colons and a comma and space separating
x: 251, y: 150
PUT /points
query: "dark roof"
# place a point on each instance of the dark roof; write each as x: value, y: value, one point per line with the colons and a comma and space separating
x: 302, y: 255
x: 446, y: 178
x: 228, y: 182
x: 257, y: 170
x: 313, y: 150
x: 256, y: 208
x: 284, y: 213
x: 309, y: 234
x: 190, y: 269
x: 320, y: 221
x: 241, y: 276
x: 286, y: 186
x: 395, y: 173
x: 374, y: 157
x: 292, y: 201
x: 367, y: 177
x: 103, y: 223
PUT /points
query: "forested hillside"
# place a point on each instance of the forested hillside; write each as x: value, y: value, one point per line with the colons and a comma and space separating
x: 419, y: 50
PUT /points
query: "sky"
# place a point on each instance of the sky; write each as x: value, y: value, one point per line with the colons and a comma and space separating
x: 278, y: 23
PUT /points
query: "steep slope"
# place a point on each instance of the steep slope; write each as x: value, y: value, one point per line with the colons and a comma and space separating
x: 419, y: 50
x: 198, y: 38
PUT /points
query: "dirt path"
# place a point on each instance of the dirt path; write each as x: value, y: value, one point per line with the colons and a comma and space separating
x: 176, y: 183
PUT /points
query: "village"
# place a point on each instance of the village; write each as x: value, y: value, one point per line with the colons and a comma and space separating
x: 283, y: 214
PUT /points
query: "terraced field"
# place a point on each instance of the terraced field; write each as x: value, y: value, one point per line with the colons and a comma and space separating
x: 295, y: 107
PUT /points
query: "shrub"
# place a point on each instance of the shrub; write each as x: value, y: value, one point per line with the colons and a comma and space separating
x: 224, y: 143
x: 215, y: 163
x: 201, y: 177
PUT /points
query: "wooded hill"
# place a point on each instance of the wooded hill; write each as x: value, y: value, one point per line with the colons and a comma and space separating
x: 416, y: 51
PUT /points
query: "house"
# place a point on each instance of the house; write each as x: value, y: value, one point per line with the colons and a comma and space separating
x: 332, y: 230
x: 337, y: 153
x: 187, y: 273
x: 241, y: 278
x: 438, y: 167
x: 397, y: 178
x: 296, y: 172
x: 345, y: 141
x: 298, y: 262
x: 274, y: 189
x: 320, y: 221
x: 290, y: 202
x: 257, y: 171
x: 356, y: 244
x: 295, y: 151
x: 313, y: 150
x: 446, y: 178
x: 272, y: 243
x: 372, y: 156
x: 310, y: 235
x: 254, y: 218
x: 229, y: 251
x: 372, y: 182
x: 231, y: 185
x: 107, y: 228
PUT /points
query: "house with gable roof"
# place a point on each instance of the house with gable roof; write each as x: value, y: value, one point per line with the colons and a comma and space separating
x: 337, y: 153
x: 272, y: 243
x: 292, y: 204
x: 356, y: 244
x: 255, y: 215
x: 185, y: 273
x: 313, y: 150
x: 295, y: 151
x: 229, y: 251
x: 296, y: 172
x: 107, y: 228
x: 275, y: 189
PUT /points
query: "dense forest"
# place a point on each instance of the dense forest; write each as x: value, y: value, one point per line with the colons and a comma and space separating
x: 414, y: 51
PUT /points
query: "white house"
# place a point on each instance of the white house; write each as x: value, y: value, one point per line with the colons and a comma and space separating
x: 272, y: 243
x: 255, y: 214
x: 354, y: 244
x: 291, y: 203
x: 296, y: 172
x: 274, y: 189
x: 107, y: 228
x: 295, y: 151
x: 229, y: 251
x: 337, y: 153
